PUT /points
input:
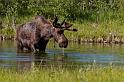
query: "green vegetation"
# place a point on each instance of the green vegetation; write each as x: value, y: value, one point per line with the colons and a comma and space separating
x: 96, y: 20
x: 108, y: 32
x: 84, y: 74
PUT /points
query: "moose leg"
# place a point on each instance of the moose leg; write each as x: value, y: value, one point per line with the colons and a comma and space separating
x: 42, y: 45
x: 31, y: 48
x: 19, y: 47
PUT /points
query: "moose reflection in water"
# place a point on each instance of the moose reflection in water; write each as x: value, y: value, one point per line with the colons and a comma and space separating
x: 38, y: 60
x: 36, y: 34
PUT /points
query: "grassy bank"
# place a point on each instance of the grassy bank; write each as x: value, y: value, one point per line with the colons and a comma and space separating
x: 94, y: 32
x: 100, y: 32
x: 85, y: 74
x: 88, y: 31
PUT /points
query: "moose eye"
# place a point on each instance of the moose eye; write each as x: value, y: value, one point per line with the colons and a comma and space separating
x: 60, y: 31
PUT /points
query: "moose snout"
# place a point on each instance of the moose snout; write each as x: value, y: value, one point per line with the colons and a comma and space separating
x: 63, y: 43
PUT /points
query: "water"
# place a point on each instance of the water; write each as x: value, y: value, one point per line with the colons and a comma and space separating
x: 74, y: 54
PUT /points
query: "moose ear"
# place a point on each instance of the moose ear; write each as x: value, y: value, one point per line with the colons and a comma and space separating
x: 66, y: 25
x: 55, y: 20
x: 55, y: 23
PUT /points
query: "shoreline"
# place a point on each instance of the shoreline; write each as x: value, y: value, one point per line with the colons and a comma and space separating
x: 109, y: 40
x: 79, y: 40
x: 7, y: 38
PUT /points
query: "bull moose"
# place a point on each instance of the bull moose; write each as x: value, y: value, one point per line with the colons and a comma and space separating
x: 36, y: 34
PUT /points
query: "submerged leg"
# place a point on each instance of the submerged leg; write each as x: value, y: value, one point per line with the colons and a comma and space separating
x: 31, y: 48
x: 19, y: 47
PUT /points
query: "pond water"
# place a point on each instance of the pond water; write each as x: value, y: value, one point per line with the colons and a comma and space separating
x: 74, y: 54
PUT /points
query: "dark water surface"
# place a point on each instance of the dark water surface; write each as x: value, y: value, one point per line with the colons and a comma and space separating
x: 75, y: 53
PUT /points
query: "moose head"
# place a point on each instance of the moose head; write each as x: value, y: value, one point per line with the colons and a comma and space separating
x: 58, y: 33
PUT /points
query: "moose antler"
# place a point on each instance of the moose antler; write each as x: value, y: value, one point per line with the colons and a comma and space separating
x: 75, y: 30
x: 63, y: 22
x: 66, y: 25
x: 55, y: 20
x: 55, y: 24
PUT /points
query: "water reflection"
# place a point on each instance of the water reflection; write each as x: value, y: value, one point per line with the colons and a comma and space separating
x: 26, y: 60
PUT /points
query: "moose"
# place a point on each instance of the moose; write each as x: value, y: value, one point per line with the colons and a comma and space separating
x: 36, y: 34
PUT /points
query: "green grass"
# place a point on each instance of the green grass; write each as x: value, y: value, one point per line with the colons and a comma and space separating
x: 92, y: 30
x: 85, y: 74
